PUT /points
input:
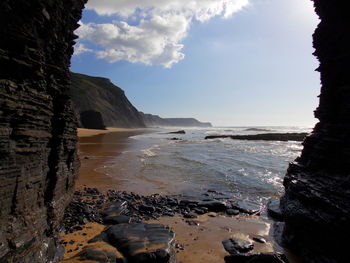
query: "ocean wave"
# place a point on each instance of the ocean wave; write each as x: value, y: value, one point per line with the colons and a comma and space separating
x: 257, y: 129
x: 185, y: 159
x: 148, y: 153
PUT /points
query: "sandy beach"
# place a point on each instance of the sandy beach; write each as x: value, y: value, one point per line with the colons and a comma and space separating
x: 201, y: 243
x: 96, y: 149
x: 92, y: 132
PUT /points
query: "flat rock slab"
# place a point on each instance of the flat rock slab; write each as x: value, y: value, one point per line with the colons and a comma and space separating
x: 141, y: 243
x: 236, y: 246
x: 247, y: 207
x: 256, y: 258
x: 115, y: 209
x: 213, y: 205
x: 273, y: 209
x: 114, y: 220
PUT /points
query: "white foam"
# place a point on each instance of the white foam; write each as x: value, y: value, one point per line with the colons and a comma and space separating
x: 148, y: 153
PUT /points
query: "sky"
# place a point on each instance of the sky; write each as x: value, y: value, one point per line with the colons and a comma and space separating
x: 230, y: 62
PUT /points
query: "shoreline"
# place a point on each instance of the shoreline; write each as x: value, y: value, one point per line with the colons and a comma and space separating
x: 82, y: 132
x: 199, y: 241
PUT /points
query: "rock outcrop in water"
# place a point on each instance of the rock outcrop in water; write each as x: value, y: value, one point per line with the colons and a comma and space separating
x: 316, y: 204
x: 264, y: 137
x: 38, y: 152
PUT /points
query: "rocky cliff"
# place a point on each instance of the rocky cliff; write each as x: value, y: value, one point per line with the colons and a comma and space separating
x: 316, y: 204
x: 38, y: 153
x: 155, y: 121
x: 101, y: 95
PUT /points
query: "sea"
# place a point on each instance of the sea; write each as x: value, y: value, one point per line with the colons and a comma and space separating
x: 191, y: 165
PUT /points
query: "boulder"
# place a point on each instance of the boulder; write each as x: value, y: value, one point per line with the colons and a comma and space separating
x: 236, y: 246
x: 214, y: 205
x: 141, y: 243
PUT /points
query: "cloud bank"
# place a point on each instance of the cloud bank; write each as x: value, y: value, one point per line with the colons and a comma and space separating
x: 147, y: 31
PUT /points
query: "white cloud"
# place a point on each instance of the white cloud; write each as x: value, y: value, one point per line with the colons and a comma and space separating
x: 156, y: 39
x: 80, y: 48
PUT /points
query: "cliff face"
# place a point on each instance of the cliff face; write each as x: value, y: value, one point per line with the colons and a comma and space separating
x: 99, y: 94
x: 316, y: 203
x: 156, y: 121
x: 38, y: 154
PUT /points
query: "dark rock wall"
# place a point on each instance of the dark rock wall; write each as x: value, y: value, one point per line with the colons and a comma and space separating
x: 38, y: 154
x: 316, y: 204
x: 92, y: 120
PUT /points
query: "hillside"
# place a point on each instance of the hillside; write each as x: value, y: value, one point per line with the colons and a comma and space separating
x: 101, y: 95
x: 98, y: 103
x: 156, y: 121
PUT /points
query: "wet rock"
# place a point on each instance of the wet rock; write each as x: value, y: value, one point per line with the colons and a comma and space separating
x: 273, y: 209
x: 114, y: 220
x: 213, y: 205
x: 235, y: 245
x: 115, y: 209
x: 278, y: 228
x: 99, y: 252
x: 232, y: 212
x: 190, y: 215
x: 167, y: 213
x: 187, y: 202
x: 146, y: 243
x: 147, y: 208
x: 259, y: 240
x: 256, y: 258
x: 177, y: 132
x: 247, y: 207
x: 201, y: 211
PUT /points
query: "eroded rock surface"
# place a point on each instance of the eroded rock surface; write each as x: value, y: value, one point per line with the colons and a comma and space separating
x: 38, y: 153
x: 316, y: 205
x: 146, y: 243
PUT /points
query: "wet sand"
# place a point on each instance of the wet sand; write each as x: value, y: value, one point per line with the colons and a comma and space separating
x: 98, y: 151
x: 201, y: 243
x: 91, y: 132
x: 80, y: 238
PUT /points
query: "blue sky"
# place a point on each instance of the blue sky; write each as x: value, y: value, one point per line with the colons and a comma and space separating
x: 223, y: 61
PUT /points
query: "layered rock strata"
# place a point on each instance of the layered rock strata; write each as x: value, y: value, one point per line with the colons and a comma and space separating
x: 38, y: 153
x: 316, y: 205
